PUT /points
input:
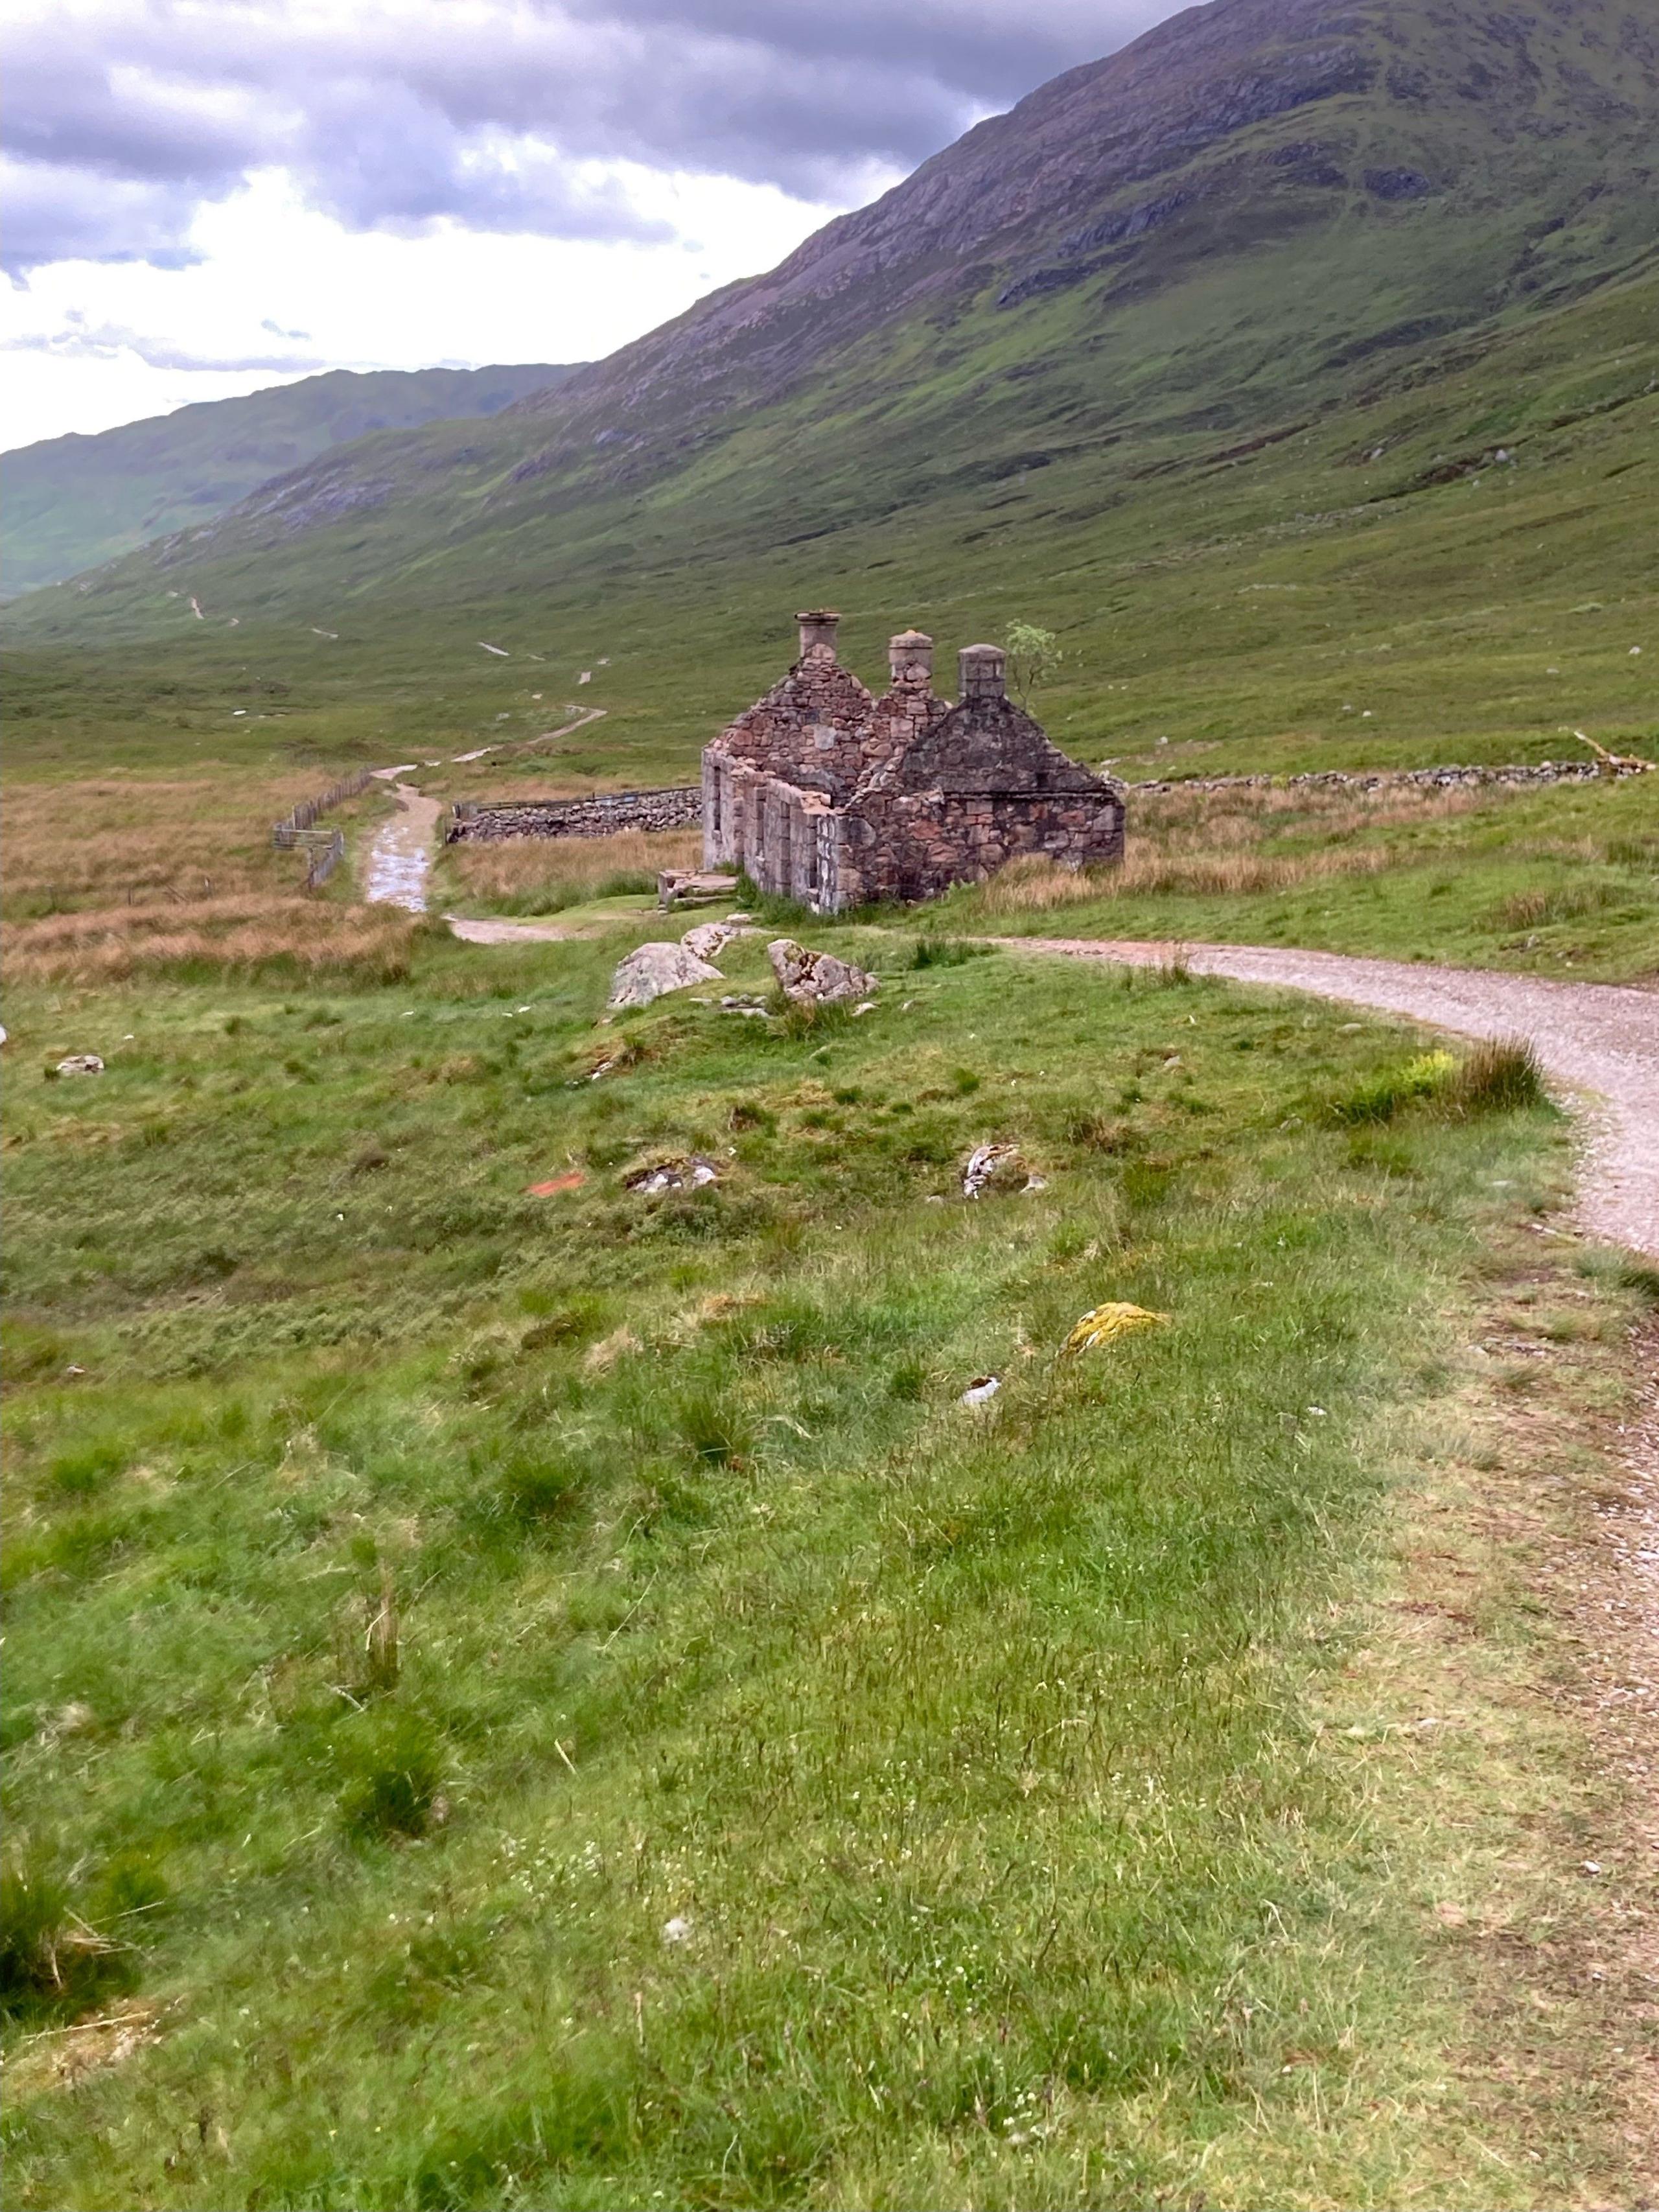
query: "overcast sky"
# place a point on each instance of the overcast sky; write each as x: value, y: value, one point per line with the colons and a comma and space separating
x: 203, y: 197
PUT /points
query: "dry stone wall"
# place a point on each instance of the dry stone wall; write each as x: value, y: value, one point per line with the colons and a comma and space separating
x: 486, y: 821
x: 1435, y: 779
x: 748, y: 815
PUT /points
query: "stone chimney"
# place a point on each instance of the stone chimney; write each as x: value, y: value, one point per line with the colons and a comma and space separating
x: 817, y: 631
x: 983, y: 673
x: 910, y: 658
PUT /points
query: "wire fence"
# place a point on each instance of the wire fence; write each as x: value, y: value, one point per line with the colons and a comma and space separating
x: 324, y: 849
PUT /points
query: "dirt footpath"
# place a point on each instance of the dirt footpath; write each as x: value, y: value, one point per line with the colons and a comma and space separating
x: 493, y: 929
x: 1602, y: 1039
x: 399, y: 858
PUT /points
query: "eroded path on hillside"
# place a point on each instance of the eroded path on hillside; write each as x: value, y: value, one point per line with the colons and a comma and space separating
x: 400, y: 856
x: 1599, y: 1039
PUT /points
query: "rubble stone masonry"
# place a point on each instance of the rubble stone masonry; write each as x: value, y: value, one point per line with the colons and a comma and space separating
x: 825, y: 794
x: 487, y: 820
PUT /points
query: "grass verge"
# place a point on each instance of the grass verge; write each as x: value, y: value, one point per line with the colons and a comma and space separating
x: 1564, y: 881
x: 552, y: 1698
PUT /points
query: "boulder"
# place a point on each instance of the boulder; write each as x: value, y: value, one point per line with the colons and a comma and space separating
x: 815, y: 978
x: 705, y: 938
x: 651, y: 970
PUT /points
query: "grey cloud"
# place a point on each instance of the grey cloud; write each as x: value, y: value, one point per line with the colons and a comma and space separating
x: 108, y: 341
x: 68, y: 107
x: 382, y: 158
x: 985, y: 52
x: 56, y: 213
x: 396, y: 118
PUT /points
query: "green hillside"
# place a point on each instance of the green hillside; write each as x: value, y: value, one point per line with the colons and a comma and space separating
x: 73, y: 503
x: 1299, y: 369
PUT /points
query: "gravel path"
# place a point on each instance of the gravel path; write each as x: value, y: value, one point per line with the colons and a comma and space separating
x: 494, y: 929
x: 1596, y: 1038
x: 397, y: 862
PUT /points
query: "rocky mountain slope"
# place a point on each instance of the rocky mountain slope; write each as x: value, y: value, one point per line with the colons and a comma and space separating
x: 1283, y: 273
x: 1242, y: 122
x: 72, y: 502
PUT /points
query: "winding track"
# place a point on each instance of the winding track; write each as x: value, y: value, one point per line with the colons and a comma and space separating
x: 1602, y: 1039
x: 397, y: 862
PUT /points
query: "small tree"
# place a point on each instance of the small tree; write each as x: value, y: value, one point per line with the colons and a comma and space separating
x: 1034, y: 654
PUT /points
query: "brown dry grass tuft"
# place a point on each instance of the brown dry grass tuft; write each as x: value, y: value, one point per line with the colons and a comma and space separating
x: 112, y: 877
x: 1034, y: 884
x: 62, y: 2058
x: 542, y: 874
x: 1216, y: 843
x: 120, y: 841
x: 248, y: 932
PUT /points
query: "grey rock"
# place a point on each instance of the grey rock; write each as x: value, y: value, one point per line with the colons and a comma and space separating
x: 705, y: 938
x: 651, y: 970
x: 816, y: 978
x: 993, y: 1167
x: 694, y: 1172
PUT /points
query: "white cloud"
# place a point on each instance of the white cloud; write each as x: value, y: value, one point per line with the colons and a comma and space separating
x: 88, y: 345
x: 400, y: 182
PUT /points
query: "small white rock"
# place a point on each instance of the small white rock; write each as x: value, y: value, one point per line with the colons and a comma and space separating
x: 676, y: 1930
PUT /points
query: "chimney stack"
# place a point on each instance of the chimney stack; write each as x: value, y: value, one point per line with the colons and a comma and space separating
x: 981, y: 672
x: 817, y: 631
x: 910, y: 658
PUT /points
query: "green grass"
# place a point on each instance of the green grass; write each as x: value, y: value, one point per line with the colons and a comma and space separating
x: 552, y: 1700
x: 423, y: 1595
x: 1563, y: 881
x: 73, y: 503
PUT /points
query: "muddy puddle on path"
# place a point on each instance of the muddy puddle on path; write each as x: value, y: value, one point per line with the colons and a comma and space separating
x: 399, y: 858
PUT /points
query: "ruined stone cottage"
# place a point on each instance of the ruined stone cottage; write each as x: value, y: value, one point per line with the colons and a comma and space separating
x: 824, y: 793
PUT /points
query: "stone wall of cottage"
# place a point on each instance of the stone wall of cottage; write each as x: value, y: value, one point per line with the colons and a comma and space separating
x: 772, y: 780
x: 821, y: 793
x: 486, y: 821
x: 914, y: 845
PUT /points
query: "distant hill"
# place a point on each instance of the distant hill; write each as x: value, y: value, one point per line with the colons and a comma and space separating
x: 1297, y: 331
x: 72, y: 503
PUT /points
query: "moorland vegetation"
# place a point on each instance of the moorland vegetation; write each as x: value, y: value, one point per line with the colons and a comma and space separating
x: 524, y: 1689
x: 552, y: 1697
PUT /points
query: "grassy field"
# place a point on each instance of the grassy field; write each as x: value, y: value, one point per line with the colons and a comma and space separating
x: 1293, y: 607
x: 1563, y: 881
x: 525, y: 1688
x: 548, y: 1697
